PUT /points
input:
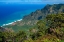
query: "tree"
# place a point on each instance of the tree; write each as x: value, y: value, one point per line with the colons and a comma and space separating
x: 39, y: 30
x: 41, y: 27
x: 20, y: 36
x: 1, y: 36
x: 55, y: 20
x: 56, y: 25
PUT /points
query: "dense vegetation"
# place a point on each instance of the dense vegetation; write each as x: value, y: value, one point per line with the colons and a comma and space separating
x: 51, y: 29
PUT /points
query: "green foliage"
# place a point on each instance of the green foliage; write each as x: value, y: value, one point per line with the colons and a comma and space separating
x: 55, y: 23
x: 12, y: 37
x: 20, y: 36
x: 18, y: 27
x: 29, y: 40
x: 55, y: 20
x: 1, y: 36
x: 41, y: 27
x: 39, y: 30
x: 62, y: 41
x: 48, y: 38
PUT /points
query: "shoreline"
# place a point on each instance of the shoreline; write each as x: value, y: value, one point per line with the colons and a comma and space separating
x: 11, y: 23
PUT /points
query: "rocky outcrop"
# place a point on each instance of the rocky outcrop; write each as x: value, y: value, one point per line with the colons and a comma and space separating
x: 48, y: 9
x: 41, y: 14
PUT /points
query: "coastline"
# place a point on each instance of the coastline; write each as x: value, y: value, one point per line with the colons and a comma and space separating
x: 11, y: 23
x: 8, y: 13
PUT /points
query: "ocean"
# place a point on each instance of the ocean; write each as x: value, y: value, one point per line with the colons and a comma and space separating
x: 13, y: 12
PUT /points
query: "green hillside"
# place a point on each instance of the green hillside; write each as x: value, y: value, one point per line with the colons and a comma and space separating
x: 44, y: 25
x: 51, y: 29
x: 31, y: 19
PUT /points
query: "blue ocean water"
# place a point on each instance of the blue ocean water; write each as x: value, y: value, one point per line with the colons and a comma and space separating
x: 12, y: 12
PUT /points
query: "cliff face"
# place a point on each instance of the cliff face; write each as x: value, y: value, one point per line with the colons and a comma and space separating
x: 32, y: 18
x: 41, y: 14
x: 48, y: 9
